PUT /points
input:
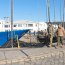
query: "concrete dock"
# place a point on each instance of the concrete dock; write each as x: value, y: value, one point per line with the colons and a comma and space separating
x: 30, y: 55
x: 16, y: 54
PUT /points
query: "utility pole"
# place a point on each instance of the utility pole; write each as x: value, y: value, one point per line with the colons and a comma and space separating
x: 12, y: 23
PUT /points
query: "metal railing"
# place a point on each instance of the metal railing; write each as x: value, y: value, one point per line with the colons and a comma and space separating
x: 47, y: 59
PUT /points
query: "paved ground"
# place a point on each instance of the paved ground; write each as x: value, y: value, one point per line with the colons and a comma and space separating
x: 14, y: 54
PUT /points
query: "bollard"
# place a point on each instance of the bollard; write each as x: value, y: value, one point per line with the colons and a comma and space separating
x: 17, y: 41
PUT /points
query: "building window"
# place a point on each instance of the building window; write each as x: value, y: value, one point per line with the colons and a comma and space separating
x: 6, y: 30
x: 9, y: 25
x: 6, y: 26
x: 26, y: 25
x: 30, y: 25
x: 7, y: 22
x: 19, y: 25
x: 36, y: 25
x: 14, y: 25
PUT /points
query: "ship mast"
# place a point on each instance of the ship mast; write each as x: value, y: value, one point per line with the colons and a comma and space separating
x: 48, y: 1
x: 63, y: 13
x: 12, y: 23
x: 54, y: 11
x: 60, y: 12
x: 46, y: 12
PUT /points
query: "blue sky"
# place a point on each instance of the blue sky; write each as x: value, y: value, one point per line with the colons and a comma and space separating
x: 34, y: 10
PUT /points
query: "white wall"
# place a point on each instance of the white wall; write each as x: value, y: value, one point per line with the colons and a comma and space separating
x: 40, y: 25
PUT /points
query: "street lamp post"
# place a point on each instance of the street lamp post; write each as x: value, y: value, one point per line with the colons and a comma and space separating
x: 12, y: 23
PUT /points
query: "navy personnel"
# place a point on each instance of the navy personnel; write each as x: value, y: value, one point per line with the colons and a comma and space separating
x: 60, y: 35
x: 50, y: 33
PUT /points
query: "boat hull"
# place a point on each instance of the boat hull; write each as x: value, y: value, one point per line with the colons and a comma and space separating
x: 6, y: 36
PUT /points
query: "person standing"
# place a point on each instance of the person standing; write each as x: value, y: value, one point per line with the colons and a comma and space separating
x: 50, y: 34
x: 60, y: 35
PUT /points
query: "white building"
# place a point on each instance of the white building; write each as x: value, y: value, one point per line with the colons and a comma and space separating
x: 34, y: 26
x: 5, y: 25
x: 23, y: 24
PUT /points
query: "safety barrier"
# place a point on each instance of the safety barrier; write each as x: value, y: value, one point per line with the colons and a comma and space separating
x: 47, y: 59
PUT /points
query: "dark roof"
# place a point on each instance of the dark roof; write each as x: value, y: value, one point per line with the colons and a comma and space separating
x: 63, y: 23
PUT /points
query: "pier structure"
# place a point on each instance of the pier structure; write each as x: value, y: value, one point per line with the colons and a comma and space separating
x: 32, y: 56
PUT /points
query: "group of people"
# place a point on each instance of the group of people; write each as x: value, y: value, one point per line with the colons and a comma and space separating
x: 60, y: 32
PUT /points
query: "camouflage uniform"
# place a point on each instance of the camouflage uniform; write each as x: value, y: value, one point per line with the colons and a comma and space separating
x: 60, y: 34
x: 50, y: 34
